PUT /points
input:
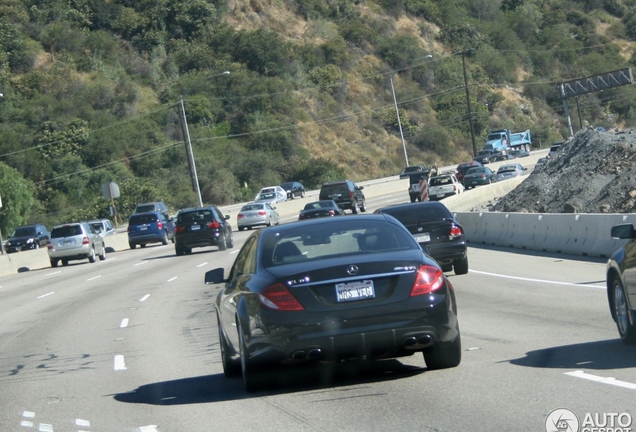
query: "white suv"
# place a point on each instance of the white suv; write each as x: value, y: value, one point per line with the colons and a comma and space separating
x: 75, y: 241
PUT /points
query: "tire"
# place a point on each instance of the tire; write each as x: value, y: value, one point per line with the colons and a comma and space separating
x: 91, y: 256
x: 231, y: 367
x: 622, y: 314
x: 444, y: 356
x: 250, y: 378
x: 132, y: 245
x: 102, y: 256
x: 54, y: 263
x: 222, y: 243
x: 461, y: 266
x: 64, y: 262
x: 164, y: 239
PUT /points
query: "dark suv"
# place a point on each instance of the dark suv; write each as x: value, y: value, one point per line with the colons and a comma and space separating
x: 28, y: 237
x: 149, y: 227
x: 346, y: 194
x: 434, y: 227
x: 201, y: 227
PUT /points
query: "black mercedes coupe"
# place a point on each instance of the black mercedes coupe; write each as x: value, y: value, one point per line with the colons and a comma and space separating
x: 333, y: 289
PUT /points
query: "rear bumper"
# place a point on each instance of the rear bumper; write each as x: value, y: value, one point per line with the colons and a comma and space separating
x: 397, y: 332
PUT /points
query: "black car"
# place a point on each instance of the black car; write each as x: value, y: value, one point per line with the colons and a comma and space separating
x: 326, y: 208
x: 294, y: 189
x: 202, y: 227
x: 434, y: 226
x: 28, y: 237
x: 621, y: 286
x: 330, y: 290
x: 346, y: 194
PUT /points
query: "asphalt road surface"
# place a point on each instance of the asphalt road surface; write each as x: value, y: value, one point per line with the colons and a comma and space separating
x: 131, y: 344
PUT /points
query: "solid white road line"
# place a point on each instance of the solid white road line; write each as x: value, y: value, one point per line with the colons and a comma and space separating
x: 603, y: 380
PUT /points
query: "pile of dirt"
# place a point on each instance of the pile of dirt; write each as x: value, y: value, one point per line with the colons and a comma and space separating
x: 592, y: 173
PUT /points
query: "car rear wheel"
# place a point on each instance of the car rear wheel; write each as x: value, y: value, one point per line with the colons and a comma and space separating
x: 222, y: 242
x: 250, y: 377
x: 54, y: 263
x: 626, y: 329
x: 91, y: 256
x: 461, y: 266
x: 231, y: 367
x: 444, y: 356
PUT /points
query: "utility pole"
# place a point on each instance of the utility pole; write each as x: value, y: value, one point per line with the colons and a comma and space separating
x: 470, y: 112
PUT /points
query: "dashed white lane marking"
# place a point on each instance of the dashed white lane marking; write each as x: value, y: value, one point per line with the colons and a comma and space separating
x: 202, y: 264
x: 540, y: 280
x: 124, y: 323
x: 140, y: 263
x: 82, y: 423
x: 603, y: 380
x: 119, y: 363
x: 93, y: 278
x: 46, y: 295
x: 144, y: 298
x: 172, y: 279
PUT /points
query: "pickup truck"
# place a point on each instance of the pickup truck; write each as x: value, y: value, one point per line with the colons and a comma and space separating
x: 442, y: 186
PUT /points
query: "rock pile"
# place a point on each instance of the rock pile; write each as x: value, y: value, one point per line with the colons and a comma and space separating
x: 594, y: 172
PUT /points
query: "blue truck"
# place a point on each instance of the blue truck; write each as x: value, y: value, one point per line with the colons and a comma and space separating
x: 502, y: 140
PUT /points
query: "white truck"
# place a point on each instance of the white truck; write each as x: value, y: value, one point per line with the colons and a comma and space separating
x: 444, y: 185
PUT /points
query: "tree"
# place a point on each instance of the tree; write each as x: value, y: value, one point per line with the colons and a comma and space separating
x: 17, y: 199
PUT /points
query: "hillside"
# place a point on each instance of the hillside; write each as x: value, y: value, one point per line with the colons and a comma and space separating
x: 92, y: 91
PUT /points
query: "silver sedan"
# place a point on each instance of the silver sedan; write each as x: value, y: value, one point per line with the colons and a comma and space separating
x: 255, y: 214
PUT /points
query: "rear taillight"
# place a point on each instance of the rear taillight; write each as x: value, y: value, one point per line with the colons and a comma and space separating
x: 278, y: 297
x: 427, y: 280
x: 179, y: 229
x: 213, y: 224
x: 455, y: 232
x: 85, y: 241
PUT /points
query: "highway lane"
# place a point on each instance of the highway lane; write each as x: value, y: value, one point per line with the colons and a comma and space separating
x: 130, y: 344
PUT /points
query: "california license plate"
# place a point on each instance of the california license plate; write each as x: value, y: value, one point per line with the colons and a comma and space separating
x: 422, y: 238
x: 351, y: 291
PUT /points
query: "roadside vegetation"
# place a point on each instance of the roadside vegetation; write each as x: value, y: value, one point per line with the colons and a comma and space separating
x: 91, y: 91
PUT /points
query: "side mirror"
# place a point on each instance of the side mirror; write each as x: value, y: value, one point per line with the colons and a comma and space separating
x: 214, y: 276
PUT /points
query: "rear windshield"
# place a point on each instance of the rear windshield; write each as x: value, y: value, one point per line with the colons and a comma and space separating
x: 419, y: 214
x: 338, y: 189
x: 440, y: 181
x: 250, y: 207
x: 197, y: 216
x: 142, y: 219
x: 333, y: 240
x: 66, y: 231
